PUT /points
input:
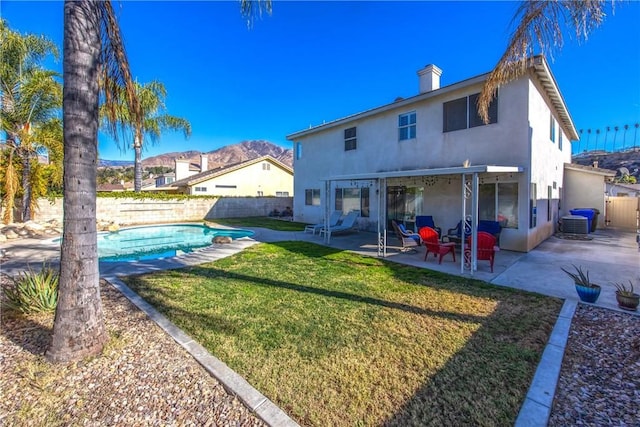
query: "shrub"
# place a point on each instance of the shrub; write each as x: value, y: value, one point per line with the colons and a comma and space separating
x: 32, y: 292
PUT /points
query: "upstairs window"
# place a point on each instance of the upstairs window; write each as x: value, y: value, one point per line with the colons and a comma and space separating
x: 552, y: 128
x: 455, y: 114
x: 462, y: 113
x: 407, y: 126
x: 350, y: 139
x: 298, y: 149
x: 266, y: 166
x: 560, y: 140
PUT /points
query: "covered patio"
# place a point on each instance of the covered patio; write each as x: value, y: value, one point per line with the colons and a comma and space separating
x: 469, y: 177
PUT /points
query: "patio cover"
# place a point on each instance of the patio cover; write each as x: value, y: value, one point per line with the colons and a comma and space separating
x: 469, y: 195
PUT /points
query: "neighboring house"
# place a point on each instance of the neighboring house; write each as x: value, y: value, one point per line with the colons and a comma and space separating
x: 618, y: 189
x: 264, y: 176
x: 123, y: 186
x: 165, y: 178
x: 110, y: 188
x: 430, y: 154
x: 588, y: 187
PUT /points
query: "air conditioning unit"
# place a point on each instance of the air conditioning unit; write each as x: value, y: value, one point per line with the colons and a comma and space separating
x: 575, y: 224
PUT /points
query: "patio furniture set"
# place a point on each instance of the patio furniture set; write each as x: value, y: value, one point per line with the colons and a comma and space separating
x: 441, y: 245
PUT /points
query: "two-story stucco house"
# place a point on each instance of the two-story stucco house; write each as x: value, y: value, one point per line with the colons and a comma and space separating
x: 263, y: 176
x: 432, y: 155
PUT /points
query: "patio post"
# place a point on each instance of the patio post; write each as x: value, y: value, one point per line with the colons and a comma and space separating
x: 382, y: 215
x: 327, y: 211
x: 474, y: 223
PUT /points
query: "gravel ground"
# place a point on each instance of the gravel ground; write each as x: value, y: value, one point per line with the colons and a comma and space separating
x: 143, y: 378
x: 600, y: 378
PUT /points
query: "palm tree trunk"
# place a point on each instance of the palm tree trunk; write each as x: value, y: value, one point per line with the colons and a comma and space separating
x: 79, y: 329
x: 137, y: 167
x: 26, y: 185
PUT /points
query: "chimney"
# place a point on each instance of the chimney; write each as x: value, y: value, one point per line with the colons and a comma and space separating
x: 595, y: 163
x: 182, y: 169
x: 204, y: 163
x: 429, y: 78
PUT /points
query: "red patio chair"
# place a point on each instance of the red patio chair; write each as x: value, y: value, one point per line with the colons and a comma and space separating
x: 432, y: 242
x: 486, y: 248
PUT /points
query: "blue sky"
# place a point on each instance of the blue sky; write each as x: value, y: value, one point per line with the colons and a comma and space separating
x: 311, y: 62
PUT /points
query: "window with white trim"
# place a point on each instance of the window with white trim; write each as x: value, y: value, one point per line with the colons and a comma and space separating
x: 200, y: 189
x: 260, y: 193
x: 312, y: 197
x: 282, y: 194
x: 407, y: 126
x: 350, y: 139
x: 266, y: 166
x: 552, y: 128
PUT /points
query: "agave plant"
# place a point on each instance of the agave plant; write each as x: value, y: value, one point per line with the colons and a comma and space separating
x: 33, y: 292
x: 580, y: 277
x: 622, y: 289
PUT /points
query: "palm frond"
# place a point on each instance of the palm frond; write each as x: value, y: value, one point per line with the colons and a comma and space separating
x: 250, y: 9
x: 116, y: 72
x: 540, y: 28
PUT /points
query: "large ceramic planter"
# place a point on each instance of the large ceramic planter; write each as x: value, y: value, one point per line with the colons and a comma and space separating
x: 628, y: 302
x: 588, y: 293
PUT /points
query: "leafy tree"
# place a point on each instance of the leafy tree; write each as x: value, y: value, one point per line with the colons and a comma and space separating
x: 154, y: 122
x: 31, y: 101
x: 92, y: 43
x: 541, y: 25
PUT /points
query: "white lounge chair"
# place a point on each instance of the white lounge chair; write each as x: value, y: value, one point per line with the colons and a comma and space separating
x: 348, y: 224
x: 333, y: 221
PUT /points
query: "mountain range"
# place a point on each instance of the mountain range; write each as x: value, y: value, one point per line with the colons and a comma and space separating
x: 629, y: 160
x: 235, y: 153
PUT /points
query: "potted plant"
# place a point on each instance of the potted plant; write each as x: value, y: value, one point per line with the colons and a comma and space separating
x: 627, y: 299
x: 587, y: 291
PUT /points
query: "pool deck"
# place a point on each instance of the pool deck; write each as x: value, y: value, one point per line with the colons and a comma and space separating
x: 610, y: 256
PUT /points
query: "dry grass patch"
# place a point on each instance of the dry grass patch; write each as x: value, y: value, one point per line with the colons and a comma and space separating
x: 335, y: 338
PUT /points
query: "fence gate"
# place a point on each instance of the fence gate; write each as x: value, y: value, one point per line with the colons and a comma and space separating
x: 622, y: 212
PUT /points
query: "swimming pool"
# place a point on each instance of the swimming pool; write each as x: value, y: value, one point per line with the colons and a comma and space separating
x: 159, y: 241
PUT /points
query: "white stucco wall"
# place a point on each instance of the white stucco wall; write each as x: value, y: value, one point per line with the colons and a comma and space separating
x: 584, y: 190
x: 547, y: 164
x: 248, y: 180
x: 519, y: 138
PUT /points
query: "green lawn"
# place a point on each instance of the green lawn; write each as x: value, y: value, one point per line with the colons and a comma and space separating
x: 339, y: 339
x: 262, y: 221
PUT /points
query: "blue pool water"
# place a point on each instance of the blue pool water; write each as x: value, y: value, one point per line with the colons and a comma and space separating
x: 161, y: 241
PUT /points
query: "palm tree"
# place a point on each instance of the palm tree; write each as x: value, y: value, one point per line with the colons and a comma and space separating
x: 154, y: 122
x: 92, y: 44
x: 540, y: 24
x: 624, y: 137
x: 31, y: 96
